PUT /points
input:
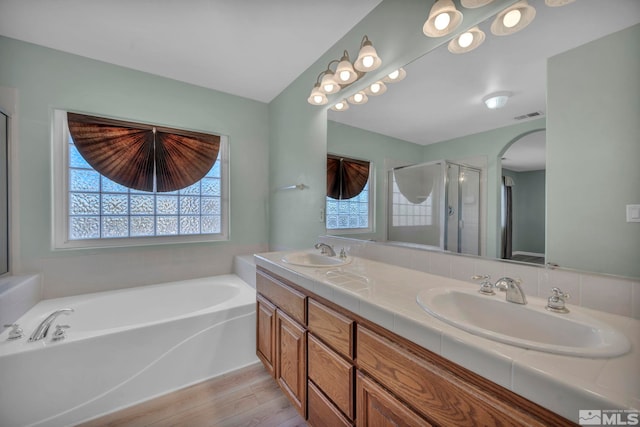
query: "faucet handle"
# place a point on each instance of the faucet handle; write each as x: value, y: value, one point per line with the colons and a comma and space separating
x: 486, y: 287
x: 59, y: 333
x: 557, y: 300
x: 16, y: 331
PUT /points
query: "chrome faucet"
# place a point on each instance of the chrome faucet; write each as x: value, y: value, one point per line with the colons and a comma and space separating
x: 325, y: 249
x: 512, y: 287
x: 43, y: 327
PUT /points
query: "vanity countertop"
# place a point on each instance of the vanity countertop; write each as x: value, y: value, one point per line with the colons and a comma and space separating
x: 386, y: 294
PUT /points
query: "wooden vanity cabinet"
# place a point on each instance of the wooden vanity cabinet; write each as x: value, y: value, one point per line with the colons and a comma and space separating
x: 340, y: 369
x: 281, y: 337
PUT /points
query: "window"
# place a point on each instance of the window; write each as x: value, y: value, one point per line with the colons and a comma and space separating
x: 349, y: 205
x: 92, y: 210
x: 410, y: 213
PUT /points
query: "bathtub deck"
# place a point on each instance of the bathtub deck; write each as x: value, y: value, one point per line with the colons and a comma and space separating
x: 247, y: 397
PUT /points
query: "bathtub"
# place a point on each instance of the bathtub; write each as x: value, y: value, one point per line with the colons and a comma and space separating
x: 124, y: 347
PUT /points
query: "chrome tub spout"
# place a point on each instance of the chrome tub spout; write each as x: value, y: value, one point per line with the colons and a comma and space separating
x: 43, y: 327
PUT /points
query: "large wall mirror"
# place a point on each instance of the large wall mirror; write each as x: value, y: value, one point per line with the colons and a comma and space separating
x: 4, y: 195
x: 571, y: 77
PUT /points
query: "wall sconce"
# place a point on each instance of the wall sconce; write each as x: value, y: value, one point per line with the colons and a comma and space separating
x: 358, y: 98
x: 330, y: 82
x: 467, y: 41
x: 368, y: 59
x: 341, y: 106
x: 496, y: 100
x: 443, y: 19
x: 317, y: 97
x: 395, y: 76
x: 513, y: 19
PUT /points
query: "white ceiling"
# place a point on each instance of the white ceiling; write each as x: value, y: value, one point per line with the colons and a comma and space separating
x: 441, y: 97
x: 249, y: 48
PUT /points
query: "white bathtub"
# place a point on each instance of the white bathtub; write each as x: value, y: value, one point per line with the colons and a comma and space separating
x: 124, y: 347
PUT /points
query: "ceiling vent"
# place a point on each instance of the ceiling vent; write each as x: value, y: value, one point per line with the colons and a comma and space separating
x: 530, y: 115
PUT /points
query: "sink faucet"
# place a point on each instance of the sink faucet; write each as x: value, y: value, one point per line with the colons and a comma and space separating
x: 512, y: 287
x: 43, y: 327
x: 325, y: 249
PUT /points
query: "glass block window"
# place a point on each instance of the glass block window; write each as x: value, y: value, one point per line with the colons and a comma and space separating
x: 407, y: 213
x: 349, y: 214
x: 91, y: 210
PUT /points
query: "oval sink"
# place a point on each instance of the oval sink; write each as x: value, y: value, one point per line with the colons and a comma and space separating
x: 528, y: 326
x: 309, y: 259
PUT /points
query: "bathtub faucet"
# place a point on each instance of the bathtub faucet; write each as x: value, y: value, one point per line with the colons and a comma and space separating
x: 43, y: 328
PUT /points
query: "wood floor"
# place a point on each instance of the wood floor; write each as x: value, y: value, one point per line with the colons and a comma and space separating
x: 247, y: 397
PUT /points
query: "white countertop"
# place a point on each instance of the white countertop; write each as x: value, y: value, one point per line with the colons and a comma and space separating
x: 386, y: 294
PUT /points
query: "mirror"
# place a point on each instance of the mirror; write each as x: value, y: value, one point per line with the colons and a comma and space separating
x: 4, y: 195
x: 555, y: 70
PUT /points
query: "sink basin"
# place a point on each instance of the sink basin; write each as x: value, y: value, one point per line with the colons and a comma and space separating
x: 528, y: 326
x: 310, y: 259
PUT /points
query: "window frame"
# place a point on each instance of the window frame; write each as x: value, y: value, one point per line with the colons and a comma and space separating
x: 60, y: 206
x: 371, y: 204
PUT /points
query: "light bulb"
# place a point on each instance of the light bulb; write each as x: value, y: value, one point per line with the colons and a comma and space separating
x: 375, y: 88
x: 317, y: 99
x: 328, y: 88
x: 465, y: 39
x: 367, y: 61
x: 339, y: 106
x: 358, y: 97
x: 512, y: 18
x: 394, y: 74
x: 442, y: 21
x: 344, y: 75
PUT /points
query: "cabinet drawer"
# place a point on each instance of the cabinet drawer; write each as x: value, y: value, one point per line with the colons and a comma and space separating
x: 331, y: 327
x: 376, y: 407
x: 321, y: 411
x: 436, y: 393
x: 284, y: 297
x: 332, y: 374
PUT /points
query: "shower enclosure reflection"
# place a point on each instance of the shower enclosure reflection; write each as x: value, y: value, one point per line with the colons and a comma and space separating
x: 435, y: 204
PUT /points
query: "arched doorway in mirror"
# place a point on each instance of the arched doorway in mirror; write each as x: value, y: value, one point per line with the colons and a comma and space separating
x: 523, y: 198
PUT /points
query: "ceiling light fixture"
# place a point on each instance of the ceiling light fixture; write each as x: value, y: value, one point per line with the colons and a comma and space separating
x: 496, y: 100
x: 329, y: 83
x: 472, y: 4
x: 467, y: 41
x: 358, y: 98
x: 341, y: 106
x: 395, y: 76
x: 513, y: 19
x: 443, y: 19
x: 368, y: 59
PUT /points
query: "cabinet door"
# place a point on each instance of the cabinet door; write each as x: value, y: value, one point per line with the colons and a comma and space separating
x: 379, y: 408
x: 291, y: 361
x: 265, y: 333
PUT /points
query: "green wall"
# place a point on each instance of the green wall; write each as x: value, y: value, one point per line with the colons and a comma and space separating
x: 358, y: 143
x: 46, y: 79
x: 528, y: 211
x: 593, y: 152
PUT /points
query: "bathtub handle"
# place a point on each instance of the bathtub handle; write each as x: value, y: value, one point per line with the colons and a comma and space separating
x: 59, y: 333
x: 16, y: 332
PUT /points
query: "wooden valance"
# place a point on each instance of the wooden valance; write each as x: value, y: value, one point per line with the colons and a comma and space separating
x: 346, y: 177
x: 136, y: 154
